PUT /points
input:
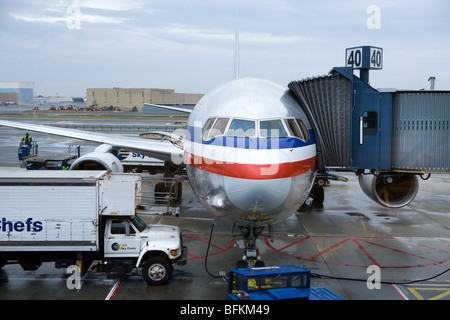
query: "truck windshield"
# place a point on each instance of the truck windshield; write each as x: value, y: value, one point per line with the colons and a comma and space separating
x: 138, y: 223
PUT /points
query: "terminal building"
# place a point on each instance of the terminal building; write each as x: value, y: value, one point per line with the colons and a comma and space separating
x: 134, y: 99
x: 16, y: 92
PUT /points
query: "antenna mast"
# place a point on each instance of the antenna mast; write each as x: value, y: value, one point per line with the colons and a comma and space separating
x: 236, y: 49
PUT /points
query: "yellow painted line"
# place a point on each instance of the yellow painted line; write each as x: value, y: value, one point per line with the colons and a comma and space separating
x: 436, y: 297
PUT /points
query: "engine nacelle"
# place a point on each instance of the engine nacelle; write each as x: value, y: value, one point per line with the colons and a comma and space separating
x: 100, y: 159
x: 391, y: 190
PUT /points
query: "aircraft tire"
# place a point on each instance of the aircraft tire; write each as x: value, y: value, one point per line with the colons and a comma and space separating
x: 259, y: 264
x: 318, y: 195
x: 241, y: 264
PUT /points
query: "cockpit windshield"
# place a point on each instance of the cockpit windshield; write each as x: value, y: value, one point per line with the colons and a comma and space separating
x: 271, y: 128
x: 241, y: 128
x: 297, y: 129
x: 207, y: 128
x: 294, y: 130
x: 304, y: 129
x: 214, y: 127
x: 219, y: 127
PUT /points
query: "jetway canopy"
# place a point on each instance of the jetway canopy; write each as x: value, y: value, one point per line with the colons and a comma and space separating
x: 358, y: 127
x: 327, y: 101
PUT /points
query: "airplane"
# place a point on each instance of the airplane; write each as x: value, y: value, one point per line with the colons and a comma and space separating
x: 249, y: 153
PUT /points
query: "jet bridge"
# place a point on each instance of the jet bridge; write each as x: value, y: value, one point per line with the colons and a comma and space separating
x: 387, y: 137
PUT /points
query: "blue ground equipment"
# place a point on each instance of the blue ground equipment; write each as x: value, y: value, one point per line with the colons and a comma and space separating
x: 275, y: 283
x: 28, y: 154
x: 26, y: 151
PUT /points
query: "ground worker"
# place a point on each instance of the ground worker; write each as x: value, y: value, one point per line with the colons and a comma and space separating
x: 27, y: 140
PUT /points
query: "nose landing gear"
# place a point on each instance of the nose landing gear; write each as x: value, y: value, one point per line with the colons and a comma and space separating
x: 251, y: 257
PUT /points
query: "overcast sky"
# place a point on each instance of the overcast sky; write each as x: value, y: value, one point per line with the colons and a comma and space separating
x: 68, y: 46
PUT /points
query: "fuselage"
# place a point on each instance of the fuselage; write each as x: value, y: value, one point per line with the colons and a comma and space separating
x: 250, y: 154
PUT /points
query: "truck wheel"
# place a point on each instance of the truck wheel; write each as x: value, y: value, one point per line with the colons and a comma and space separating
x: 156, y: 271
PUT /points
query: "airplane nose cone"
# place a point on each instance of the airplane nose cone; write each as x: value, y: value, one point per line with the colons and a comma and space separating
x: 257, y: 195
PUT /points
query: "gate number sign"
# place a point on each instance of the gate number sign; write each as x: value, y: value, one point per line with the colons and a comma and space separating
x: 365, y: 57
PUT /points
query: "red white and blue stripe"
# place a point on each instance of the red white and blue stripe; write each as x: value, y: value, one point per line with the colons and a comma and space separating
x: 252, y: 158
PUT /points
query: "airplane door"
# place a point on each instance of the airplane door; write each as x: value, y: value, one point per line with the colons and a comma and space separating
x: 365, y: 131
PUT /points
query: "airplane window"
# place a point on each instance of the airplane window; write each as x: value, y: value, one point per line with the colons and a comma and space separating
x: 272, y: 128
x: 207, y: 128
x: 241, y: 128
x: 294, y: 130
x: 219, y: 127
x: 304, y: 129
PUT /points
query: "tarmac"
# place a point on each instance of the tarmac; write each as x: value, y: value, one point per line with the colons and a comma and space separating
x: 353, y: 247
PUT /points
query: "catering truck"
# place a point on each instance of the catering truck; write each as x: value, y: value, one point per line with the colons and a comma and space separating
x: 83, y: 218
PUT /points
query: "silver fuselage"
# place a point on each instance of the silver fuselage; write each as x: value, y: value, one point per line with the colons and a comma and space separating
x: 250, y: 153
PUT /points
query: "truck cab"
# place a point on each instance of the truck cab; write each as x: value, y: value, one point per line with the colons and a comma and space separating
x: 130, y: 242
x: 275, y: 283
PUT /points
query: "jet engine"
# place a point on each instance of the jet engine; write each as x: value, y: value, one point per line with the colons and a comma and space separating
x: 391, y: 190
x: 100, y: 159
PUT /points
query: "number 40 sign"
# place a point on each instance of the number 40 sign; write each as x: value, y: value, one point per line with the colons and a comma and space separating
x: 364, y: 57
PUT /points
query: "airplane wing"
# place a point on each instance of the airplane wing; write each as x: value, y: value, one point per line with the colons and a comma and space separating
x: 162, y: 150
x: 168, y: 107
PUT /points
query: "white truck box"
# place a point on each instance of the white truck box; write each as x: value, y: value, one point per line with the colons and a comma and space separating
x: 82, y: 217
x: 60, y: 210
